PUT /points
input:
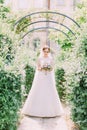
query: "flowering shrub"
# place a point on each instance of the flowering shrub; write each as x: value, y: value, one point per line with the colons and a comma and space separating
x: 6, y: 48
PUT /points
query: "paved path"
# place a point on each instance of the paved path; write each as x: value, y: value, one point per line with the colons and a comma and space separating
x: 33, y: 123
x: 57, y: 123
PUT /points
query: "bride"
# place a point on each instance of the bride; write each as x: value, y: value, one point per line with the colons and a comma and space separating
x: 43, y: 99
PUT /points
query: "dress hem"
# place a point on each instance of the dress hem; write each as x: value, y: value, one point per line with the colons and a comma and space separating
x: 43, y: 116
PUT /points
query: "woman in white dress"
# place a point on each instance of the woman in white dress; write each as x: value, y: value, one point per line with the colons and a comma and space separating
x: 43, y: 99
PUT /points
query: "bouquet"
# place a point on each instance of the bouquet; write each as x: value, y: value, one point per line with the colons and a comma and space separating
x: 47, y: 67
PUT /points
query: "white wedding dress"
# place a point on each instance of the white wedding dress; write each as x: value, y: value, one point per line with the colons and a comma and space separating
x: 43, y: 99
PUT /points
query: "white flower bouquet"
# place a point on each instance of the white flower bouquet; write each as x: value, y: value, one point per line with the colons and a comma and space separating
x: 46, y: 67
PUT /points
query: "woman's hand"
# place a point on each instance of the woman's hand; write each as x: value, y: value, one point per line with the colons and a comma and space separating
x: 47, y: 68
x: 39, y: 68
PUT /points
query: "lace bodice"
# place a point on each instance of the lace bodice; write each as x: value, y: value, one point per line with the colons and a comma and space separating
x: 45, y: 61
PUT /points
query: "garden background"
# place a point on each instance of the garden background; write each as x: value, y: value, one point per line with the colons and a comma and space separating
x: 17, y: 68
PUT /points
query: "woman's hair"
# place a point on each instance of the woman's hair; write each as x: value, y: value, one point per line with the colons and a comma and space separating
x: 46, y: 47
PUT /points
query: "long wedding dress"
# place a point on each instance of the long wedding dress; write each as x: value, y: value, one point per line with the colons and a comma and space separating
x: 43, y: 99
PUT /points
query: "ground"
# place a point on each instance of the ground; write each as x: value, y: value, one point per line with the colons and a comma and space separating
x: 56, y: 123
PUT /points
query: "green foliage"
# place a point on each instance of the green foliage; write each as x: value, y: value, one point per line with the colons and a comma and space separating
x: 65, y: 44
x: 60, y: 80
x: 1, y: 1
x: 79, y: 99
x: 10, y: 100
x: 81, y: 12
x: 6, y: 48
x: 79, y: 82
x: 84, y: 46
x: 3, y: 11
x: 29, y: 75
x: 8, y: 39
x: 79, y: 92
x: 24, y: 22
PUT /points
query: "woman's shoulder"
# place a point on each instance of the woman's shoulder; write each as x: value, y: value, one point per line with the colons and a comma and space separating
x: 51, y: 58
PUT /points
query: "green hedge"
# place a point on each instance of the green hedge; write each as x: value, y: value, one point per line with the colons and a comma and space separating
x: 10, y: 100
x: 29, y: 76
x: 79, y: 102
x: 60, y: 80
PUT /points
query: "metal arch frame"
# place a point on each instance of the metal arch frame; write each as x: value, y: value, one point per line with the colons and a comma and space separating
x: 50, y: 21
x: 50, y: 12
x: 46, y: 28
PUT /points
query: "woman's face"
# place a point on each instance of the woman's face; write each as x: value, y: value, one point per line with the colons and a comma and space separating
x: 46, y: 52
